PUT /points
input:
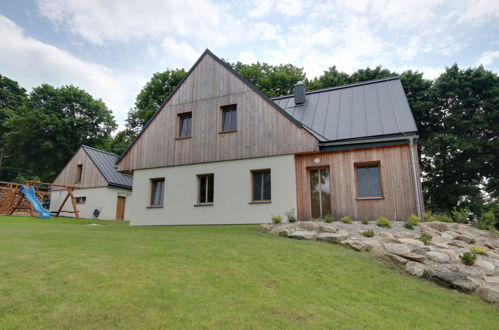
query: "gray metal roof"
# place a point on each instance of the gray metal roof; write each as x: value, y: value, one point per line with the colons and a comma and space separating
x: 362, y: 110
x: 105, y: 163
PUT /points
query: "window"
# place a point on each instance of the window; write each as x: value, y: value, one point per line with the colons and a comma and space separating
x: 261, y: 186
x: 205, y: 183
x: 185, y: 122
x: 81, y: 200
x: 157, y: 192
x: 229, y: 118
x: 368, y: 180
x: 79, y: 170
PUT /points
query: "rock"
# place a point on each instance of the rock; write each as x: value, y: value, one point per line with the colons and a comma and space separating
x: 466, y: 238
x: 398, y: 259
x: 284, y: 232
x: 337, y: 237
x: 407, y: 235
x: 438, y: 257
x: 307, y: 226
x: 302, y: 234
x: 489, y: 294
x: 414, y: 257
x: 325, y: 228
x: 355, y: 244
x: 454, y: 280
x: 492, y: 254
x: 438, y: 226
x: 415, y: 268
x: 429, y: 231
x: 488, y: 267
x: 449, y: 235
x: 375, y: 247
x: 456, y: 243
x: 265, y: 227
x: 411, y: 241
x: 388, y: 238
x: 440, y: 245
x: 396, y: 248
x: 492, y: 280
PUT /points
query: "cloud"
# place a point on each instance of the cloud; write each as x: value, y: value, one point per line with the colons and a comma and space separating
x: 488, y: 57
x: 247, y: 57
x: 32, y: 63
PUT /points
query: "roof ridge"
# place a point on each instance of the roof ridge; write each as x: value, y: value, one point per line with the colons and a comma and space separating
x: 99, y: 150
x: 327, y: 89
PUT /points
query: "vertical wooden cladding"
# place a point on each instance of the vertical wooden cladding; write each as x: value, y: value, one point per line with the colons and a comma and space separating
x: 261, y: 129
x: 398, y: 191
x: 90, y: 175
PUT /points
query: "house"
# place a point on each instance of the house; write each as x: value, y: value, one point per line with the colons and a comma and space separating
x: 101, y: 186
x: 219, y: 151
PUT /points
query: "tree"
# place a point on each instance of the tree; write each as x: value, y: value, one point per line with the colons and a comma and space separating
x: 119, y: 142
x: 330, y: 78
x: 151, y: 97
x: 53, y: 123
x: 272, y: 80
x: 462, y: 145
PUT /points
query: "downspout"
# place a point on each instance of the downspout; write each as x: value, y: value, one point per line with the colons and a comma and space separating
x: 415, y: 177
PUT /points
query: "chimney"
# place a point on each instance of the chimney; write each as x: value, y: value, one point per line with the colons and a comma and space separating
x: 299, y: 93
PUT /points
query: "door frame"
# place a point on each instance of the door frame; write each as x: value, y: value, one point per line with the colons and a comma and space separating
x: 118, y: 207
x: 318, y: 167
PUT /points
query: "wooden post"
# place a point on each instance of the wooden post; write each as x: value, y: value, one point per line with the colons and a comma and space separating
x: 75, y: 207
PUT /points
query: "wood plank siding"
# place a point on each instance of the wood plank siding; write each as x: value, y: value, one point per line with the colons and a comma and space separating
x: 396, y: 179
x: 261, y: 129
x: 90, y: 175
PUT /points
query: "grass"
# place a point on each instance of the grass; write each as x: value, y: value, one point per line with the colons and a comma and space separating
x: 60, y: 274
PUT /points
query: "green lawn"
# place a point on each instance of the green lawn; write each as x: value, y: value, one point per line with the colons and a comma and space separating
x: 60, y: 274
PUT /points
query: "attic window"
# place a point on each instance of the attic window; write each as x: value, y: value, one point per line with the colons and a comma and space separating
x: 79, y: 170
x: 229, y: 118
x: 185, y: 122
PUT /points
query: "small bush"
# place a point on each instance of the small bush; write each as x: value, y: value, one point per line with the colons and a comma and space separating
x: 487, y: 221
x: 413, y: 219
x: 441, y: 218
x: 427, y: 216
x: 409, y: 225
x: 460, y: 216
x: 365, y: 221
x: 291, y: 215
x: 468, y: 258
x: 368, y: 233
x: 328, y: 218
x: 426, y: 239
x: 384, y: 222
x: 477, y: 249
x: 276, y: 219
x: 346, y: 219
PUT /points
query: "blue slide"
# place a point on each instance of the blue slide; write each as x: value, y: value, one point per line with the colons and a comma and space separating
x: 29, y: 194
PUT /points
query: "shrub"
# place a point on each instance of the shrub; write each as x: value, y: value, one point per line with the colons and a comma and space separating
x: 291, y: 215
x: 276, y: 219
x: 328, y: 218
x: 346, y: 219
x: 441, y: 218
x: 368, y: 233
x: 409, y: 225
x: 459, y: 216
x: 384, y: 222
x: 477, y: 249
x: 487, y: 221
x: 468, y: 258
x: 426, y: 239
x: 413, y: 219
x: 427, y: 216
x: 365, y: 221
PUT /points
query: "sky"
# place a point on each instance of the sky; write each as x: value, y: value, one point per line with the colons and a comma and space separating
x: 111, y: 48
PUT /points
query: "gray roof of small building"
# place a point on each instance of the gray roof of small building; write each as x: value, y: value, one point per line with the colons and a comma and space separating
x: 106, y: 164
x: 362, y: 110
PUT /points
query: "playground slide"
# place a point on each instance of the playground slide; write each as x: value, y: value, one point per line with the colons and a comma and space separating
x: 29, y: 194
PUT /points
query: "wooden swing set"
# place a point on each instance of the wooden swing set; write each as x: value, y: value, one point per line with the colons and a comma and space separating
x: 12, y: 201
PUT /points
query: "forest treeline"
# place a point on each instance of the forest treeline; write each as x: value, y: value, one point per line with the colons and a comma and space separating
x: 457, y: 116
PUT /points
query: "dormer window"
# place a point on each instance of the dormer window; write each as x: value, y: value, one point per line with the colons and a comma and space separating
x: 229, y: 118
x: 185, y: 123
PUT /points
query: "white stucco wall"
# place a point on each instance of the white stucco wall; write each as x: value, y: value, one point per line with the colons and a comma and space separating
x: 102, y: 197
x: 232, y: 193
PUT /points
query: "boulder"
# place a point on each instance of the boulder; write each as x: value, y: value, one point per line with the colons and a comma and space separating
x: 326, y: 228
x: 412, y: 241
x: 456, y: 243
x: 388, y: 238
x: 489, y: 294
x: 414, y: 256
x: 406, y: 234
x: 355, y: 244
x: 302, y: 234
x: 439, y: 257
x: 455, y: 281
x: 488, y: 267
x: 449, y: 235
x: 265, y: 227
x: 492, y: 280
x: 337, y: 237
x: 398, y: 259
x: 438, y: 226
x: 492, y: 254
x: 397, y: 248
x: 466, y: 238
x: 307, y: 226
x: 415, y: 268
x: 375, y: 247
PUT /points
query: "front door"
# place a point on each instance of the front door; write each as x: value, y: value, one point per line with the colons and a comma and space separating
x: 120, y: 208
x: 320, y: 192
